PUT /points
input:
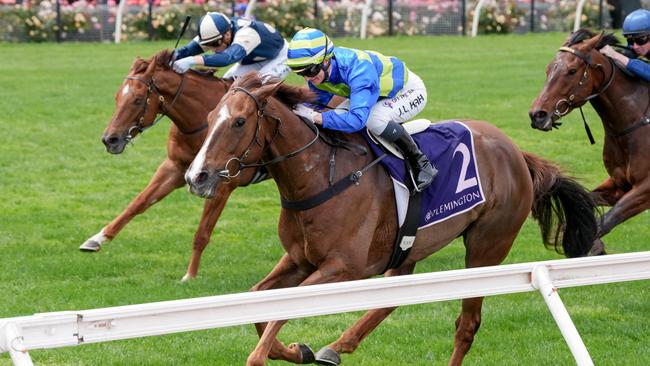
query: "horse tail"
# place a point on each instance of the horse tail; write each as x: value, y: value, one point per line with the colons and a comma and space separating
x: 564, y: 209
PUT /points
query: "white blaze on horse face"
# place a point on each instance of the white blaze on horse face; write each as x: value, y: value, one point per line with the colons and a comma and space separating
x: 199, y: 160
x: 125, y: 89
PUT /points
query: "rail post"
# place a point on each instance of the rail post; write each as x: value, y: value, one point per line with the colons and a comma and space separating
x: 541, y: 280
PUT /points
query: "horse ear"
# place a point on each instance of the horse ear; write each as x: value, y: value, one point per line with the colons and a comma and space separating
x: 267, y: 90
x: 595, y: 40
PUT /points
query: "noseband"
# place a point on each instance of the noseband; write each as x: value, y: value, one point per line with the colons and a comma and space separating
x: 152, y: 87
x: 569, y: 103
x: 225, y: 172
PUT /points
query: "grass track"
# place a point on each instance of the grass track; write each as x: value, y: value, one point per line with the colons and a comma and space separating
x: 59, y: 186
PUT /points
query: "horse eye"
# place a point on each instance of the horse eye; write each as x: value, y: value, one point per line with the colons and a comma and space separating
x: 240, y: 121
x: 138, y: 101
x: 572, y: 71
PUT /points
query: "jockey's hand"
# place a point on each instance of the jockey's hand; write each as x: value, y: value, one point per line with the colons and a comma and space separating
x: 308, y: 113
x: 614, y: 55
x: 608, y: 51
x: 173, y: 58
x: 181, y: 66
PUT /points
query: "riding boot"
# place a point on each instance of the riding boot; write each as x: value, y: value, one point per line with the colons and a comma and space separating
x: 423, y: 170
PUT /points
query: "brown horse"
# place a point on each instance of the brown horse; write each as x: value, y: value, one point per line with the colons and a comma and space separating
x: 351, y: 235
x: 579, y: 73
x: 153, y: 89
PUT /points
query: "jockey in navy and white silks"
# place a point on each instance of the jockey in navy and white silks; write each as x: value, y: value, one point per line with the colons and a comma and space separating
x: 636, y: 29
x: 381, y: 91
x: 249, y: 44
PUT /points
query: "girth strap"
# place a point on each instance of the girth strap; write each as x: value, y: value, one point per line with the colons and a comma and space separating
x: 331, y: 191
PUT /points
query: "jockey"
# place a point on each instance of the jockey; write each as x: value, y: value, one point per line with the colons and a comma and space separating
x: 636, y: 29
x: 249, y: 44
x: 381, y: 93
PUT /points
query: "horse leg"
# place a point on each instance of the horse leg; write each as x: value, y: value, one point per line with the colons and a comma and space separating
x: 349, y: 341
x: 332, y: 270
x: 167, y: 178
x: 487, y: 243
x: 632, y: 203
x: 285, y: 274
x: 607, y: 193
x: 211, y: 211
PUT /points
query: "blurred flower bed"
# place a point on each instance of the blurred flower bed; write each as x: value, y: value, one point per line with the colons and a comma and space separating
x: 36, y: 20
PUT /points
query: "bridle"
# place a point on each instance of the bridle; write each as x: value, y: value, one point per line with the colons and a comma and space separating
x: 163, y: 108
x: 569, y: 103
x: 225, y: 172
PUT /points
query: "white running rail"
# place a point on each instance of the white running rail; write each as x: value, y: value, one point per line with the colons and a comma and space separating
x: 70, y: 328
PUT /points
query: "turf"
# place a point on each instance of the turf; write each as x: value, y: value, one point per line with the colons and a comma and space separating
x: 59, y: 187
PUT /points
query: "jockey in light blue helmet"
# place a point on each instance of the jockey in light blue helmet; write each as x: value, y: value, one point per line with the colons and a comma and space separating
x: 381, y: 93
x: 249, y: 44
x: 636, y: 29
x: 637, y: 23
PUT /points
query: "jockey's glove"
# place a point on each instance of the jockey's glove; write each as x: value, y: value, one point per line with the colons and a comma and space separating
x: 304, y: 111
x: 181, y: 66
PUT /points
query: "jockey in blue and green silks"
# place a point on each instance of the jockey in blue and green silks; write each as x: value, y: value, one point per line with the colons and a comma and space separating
x: 381, y: 93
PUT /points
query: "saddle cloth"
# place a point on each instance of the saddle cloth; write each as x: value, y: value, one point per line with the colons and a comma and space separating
x: 457, y: 187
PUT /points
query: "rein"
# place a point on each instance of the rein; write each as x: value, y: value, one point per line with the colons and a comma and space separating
x: 570, y: 101
x: 225, y: 173
x: 151, y: 88
x: 310, y: 202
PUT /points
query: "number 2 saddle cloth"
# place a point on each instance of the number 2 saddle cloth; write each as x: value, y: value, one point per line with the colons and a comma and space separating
x: 457, y: 187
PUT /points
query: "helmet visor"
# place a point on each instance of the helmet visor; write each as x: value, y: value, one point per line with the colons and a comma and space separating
x: 309, y: 71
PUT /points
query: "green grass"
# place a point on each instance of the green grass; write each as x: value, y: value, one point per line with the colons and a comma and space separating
x: 59, y: 187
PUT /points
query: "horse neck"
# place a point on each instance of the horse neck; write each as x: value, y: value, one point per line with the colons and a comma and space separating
x: 188, y: 101
x: 625, y: 102
x: 306, y: 173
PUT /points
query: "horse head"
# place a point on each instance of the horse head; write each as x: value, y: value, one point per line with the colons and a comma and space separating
x: 148, y: 87
x: 577, y: 74
x: 240, y: 128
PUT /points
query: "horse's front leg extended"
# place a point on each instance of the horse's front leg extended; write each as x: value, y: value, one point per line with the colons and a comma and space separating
x: 167, y: 178
x: 211, y: 211
x: 329, y: 271
x: 632, y: 203
x: 352, y: 337
x: 285, y: 274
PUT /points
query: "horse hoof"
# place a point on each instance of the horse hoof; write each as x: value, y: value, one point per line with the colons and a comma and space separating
x: 186, y: 278
x: 306, y: 353
x: 328, y: 356
x: 90, y: 246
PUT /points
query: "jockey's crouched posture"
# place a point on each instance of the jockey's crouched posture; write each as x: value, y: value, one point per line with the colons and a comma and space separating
x: 636, y: 29
x: 249, y: 44
x: 381, y: 91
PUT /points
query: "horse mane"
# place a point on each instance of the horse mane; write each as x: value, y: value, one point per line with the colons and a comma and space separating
x: 289, y: 95
x: 584, y: 34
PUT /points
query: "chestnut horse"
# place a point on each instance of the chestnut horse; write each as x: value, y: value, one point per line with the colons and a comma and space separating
x: 150, y: 89
x: 351, y: 235
x: 579, y: 73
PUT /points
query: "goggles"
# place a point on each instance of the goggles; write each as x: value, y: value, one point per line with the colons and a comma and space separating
x: 215, y: 43
x: 309, y: 71
x: 638, y: 40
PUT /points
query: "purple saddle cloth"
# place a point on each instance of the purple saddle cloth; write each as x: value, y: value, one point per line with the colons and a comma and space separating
x: 457, y: 187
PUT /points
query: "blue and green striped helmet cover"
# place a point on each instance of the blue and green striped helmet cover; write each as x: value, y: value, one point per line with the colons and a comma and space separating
x: 309, y: 47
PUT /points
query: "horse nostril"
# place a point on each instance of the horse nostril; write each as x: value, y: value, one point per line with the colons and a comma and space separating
x: 201, y: 177
x: 538, y: 115
x: 110, y: 141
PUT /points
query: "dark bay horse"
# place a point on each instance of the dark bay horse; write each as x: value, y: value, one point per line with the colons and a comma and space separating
x: 351, y: 235
x: 150, y: 89
x: 579, y: 73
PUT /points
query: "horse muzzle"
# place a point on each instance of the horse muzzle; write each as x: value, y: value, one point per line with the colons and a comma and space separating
x: 541, y: 119
x: 203, y: 183
x: 115, y: 144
